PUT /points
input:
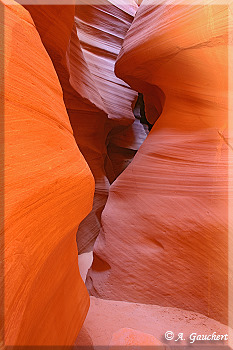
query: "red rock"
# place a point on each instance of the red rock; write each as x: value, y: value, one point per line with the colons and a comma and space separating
x: 83, y: 102
x: 124, y: 143
x: 96, y: 100
x: 48, y: 191
x: 164, y: 231
x: 101, y: 29
x: 164, y: 237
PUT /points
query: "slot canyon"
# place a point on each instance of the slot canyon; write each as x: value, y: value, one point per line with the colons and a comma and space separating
x: 117, y: 154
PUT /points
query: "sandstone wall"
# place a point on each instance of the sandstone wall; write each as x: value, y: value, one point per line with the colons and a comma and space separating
x: 164, y: 237
x: 48, y: 192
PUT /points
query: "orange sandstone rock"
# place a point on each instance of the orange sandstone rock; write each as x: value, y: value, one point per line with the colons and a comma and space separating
x: 83, y: 102
x: 97, y: 101
x: 164, y: 237
x: 48, y: 191
x: 101, y: 28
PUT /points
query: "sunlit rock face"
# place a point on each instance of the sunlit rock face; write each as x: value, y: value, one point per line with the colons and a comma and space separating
x: 48, y: 191
x: 83, y: 102
x: 164, y: 237
x: 101, y: 28
x: 161, y: 254
x: 98, y: 103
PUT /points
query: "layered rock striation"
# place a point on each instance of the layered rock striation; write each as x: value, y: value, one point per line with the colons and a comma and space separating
x: 164, y: 237
x: 71, y: 136
x: 98, y: 103
x: 83, y: 102
x: 48, y: 191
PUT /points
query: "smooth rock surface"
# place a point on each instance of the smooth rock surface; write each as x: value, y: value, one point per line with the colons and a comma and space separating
x: 130, y: 337
x: 84, y: 262
x: 84, y: 54
x: 164, y: 237
x: 83, y: 102
x: 101, y: 28
x: 106, y: 318
x: 48, y: 191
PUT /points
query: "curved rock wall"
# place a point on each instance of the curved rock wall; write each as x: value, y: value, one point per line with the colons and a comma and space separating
x: 164, y: 232
x: 98, y: 103
x: 101, y: 29
x: 48, y: 191
x: 83, y: 102
x: 164, y: 237
x: 101, y: 42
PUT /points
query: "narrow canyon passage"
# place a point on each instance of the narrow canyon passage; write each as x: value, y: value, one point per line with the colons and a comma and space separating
x: 116, y: 117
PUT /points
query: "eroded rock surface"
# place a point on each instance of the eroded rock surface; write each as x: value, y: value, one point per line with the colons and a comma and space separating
x: 164, y: 237
x: 48, y: 192
x: 164, y: 231
x: 98, y: 103
x: 83, y: 102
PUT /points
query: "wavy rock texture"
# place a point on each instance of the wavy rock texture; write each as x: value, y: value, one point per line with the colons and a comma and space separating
x: 83, y: 102
x: 164, y: 237
x: 48, y: 191
x: 101, y: 29
x: 96, y: 100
